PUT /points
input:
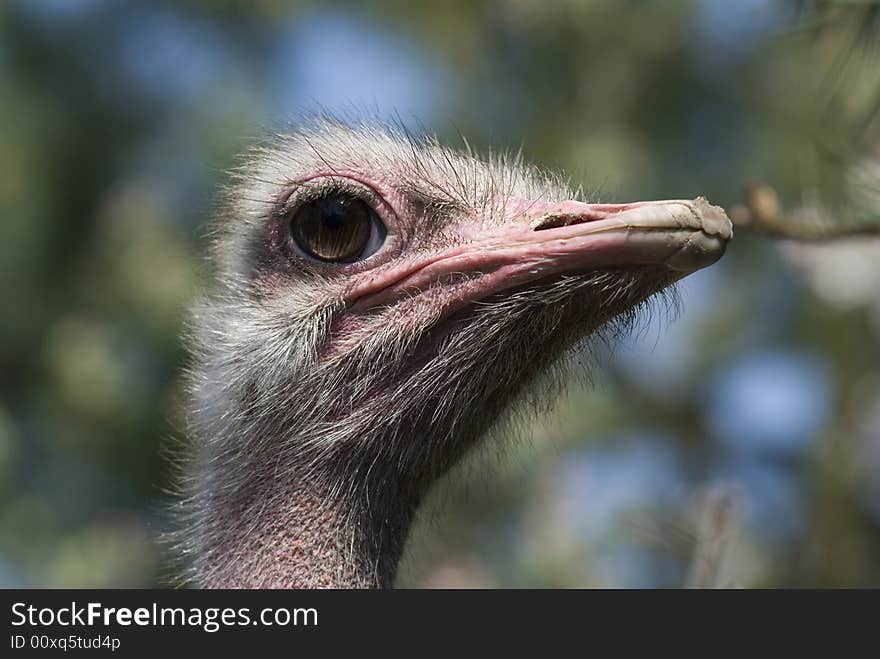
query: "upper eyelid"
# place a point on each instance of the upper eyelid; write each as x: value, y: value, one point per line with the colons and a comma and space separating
x: 299, y: 192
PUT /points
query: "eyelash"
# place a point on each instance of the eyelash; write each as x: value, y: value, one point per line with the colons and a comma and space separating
x: 314, y: 189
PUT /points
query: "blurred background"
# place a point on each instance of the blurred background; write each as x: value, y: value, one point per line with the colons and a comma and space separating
x: 738, y: 445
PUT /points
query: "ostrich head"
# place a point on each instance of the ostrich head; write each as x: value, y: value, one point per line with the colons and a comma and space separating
x: 380, y: 302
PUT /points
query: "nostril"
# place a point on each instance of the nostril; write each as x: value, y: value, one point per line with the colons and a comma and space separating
x: 554, y: 221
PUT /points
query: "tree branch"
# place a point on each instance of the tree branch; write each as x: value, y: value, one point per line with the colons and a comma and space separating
x: 763, y: 213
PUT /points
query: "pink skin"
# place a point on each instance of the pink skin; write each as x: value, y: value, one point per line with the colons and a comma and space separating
x: 682, y: 235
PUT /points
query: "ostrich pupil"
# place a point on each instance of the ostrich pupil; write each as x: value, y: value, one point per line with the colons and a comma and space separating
x: 335, y: 229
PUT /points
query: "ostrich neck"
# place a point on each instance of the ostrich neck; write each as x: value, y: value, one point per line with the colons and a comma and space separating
x: 295, y: 532
x: 308, y: 511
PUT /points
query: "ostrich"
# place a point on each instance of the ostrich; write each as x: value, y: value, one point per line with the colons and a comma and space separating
x: 381, y: 301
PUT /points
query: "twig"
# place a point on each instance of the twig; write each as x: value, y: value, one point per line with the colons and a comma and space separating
x: 763, y: 213
x: 718, y: 513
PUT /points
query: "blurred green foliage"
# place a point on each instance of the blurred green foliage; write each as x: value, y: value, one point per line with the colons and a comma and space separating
x: 118, y: 119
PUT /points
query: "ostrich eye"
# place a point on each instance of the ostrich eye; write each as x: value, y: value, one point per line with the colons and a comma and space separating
x: 337, y: 229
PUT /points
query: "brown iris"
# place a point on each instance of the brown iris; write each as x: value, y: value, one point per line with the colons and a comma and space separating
x: 336, y: 228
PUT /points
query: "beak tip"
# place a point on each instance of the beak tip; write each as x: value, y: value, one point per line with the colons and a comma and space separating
x: 713, y: 219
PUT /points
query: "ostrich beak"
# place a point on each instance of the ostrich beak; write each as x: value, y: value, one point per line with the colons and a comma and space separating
x: 541, y: 240
x: 682, y: 235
